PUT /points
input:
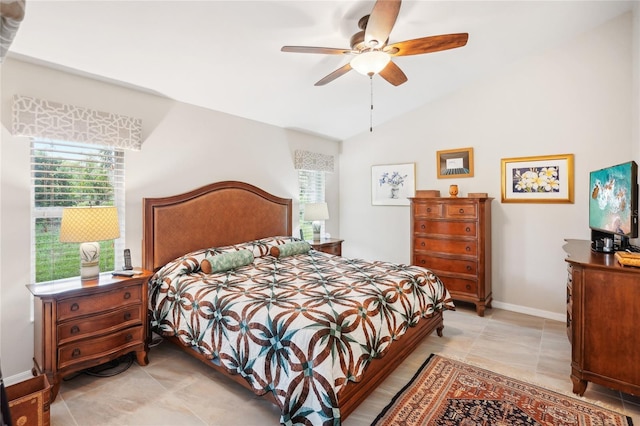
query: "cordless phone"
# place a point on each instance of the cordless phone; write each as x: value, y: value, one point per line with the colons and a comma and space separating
x: 127, y: 260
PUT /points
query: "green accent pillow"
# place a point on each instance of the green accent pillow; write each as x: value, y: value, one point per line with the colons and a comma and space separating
x: 226, y: 261
x: 289, y: 249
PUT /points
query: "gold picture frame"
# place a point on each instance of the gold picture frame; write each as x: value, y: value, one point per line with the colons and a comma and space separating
x: 542, y: 179
x: 454, y: 163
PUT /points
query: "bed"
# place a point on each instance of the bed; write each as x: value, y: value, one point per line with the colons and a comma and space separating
x: 313, y: 332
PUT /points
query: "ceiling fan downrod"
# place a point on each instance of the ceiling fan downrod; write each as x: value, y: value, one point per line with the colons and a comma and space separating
x: 371, y: 110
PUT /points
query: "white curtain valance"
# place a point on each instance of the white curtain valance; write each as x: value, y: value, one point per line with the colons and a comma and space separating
x: 307, y: 160
x: 52, y: 120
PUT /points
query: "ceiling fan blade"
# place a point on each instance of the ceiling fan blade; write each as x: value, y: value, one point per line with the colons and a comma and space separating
x: 381, y: 21
x: 337, y: 73
x: 393, y: 74
x: 427, y: 44
x: 323, y: 50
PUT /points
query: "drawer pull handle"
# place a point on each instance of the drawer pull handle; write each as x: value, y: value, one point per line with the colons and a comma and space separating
x: 127, y: 316
x: 461, y: 211
x: 468, y: 268
x: 75, y: 329
x: 422, y: 244
x: 127, y: 295
x: 423, y: 261
x: 75, y: 353
x: 128, y: 337
x: 428, y: 209
x: 468, y: 229
x: 75, y: 307
x: 467, y: 248
x: 422, y: 226
x: 468, y: 287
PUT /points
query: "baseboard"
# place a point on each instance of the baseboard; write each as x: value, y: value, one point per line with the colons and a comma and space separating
x: 17, y: 378
x: 530, y: 311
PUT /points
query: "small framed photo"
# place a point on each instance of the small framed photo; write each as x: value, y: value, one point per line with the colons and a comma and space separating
x: 543, y: 179
x: 455, y: 163
x: 393, y: 184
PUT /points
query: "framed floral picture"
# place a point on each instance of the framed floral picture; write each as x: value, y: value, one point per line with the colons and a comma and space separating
x: 455, y: 163
x: 544, y: 179
x: 393, y: 184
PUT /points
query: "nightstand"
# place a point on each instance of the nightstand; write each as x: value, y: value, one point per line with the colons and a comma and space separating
x: 328, y: 245
x: 82, y: 324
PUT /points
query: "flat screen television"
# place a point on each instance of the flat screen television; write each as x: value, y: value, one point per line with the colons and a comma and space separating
x: 613, y: 206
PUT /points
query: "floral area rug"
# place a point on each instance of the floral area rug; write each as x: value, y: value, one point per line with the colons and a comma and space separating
x: 448, y: 392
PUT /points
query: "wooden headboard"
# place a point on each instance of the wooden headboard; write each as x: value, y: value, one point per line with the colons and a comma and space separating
x: 218, y: 214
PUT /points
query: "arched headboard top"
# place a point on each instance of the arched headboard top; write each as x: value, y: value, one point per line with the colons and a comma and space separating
x: 217, y: 214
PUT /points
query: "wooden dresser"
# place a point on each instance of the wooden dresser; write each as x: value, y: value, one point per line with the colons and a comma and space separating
x: 82, y: 324
x: 603, y: 319
x: 452, y: 237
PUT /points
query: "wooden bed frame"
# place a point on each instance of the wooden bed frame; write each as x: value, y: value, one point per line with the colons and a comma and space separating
x: 232, y: 212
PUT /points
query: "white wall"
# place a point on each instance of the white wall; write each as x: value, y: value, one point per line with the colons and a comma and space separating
x: 185, y: 147
x: 572, y: 99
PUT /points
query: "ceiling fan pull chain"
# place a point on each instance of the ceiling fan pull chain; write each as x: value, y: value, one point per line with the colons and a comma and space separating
x: 371, y: 111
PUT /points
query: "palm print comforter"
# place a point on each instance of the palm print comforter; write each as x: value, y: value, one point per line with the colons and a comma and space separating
x: 301, y: 326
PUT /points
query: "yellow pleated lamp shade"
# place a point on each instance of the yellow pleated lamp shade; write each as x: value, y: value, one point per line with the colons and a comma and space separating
x: 84, y: 224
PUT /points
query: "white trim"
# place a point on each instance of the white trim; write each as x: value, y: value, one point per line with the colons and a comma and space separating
x: 529, y: 311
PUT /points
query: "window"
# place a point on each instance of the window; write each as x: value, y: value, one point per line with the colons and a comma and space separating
x: 68, y: 174
x: 312, y: 184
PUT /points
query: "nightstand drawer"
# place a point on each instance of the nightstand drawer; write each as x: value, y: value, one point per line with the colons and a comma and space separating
x: 467, y: 229
x: 85, y: 350
x: 79, y: 306
x: 83, y: 327
x: 446, y: 246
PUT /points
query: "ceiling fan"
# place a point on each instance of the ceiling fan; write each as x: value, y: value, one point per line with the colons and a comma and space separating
x: 370, y: 51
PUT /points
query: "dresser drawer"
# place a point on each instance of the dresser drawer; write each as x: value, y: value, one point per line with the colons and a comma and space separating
x: 83, y: 327
x: 461, y: 210
x: 469, y: 248
x: 445, y: 264
x: 460, y: 285
x: 428, y: 209
x: 439, y: 227
x: 88, y: 349
x: 79, y: 306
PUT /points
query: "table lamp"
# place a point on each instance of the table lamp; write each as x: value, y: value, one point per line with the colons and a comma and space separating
x: 316, y: 213
x: 88, y: 225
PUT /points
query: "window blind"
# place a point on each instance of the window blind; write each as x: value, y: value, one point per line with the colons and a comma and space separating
x: 312, y: 190
x: 69, y: 174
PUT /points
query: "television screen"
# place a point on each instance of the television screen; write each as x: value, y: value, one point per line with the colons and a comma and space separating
x: 613, y: 200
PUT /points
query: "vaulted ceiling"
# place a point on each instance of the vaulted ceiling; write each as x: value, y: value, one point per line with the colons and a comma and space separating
x: 225, y: 55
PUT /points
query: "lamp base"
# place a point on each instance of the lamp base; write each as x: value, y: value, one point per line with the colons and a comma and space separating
x: 317, y: 226
x: 89, y: 261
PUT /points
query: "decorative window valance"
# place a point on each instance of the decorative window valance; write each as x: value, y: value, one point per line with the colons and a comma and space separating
x: 52, y: 120
x: 307, y: 160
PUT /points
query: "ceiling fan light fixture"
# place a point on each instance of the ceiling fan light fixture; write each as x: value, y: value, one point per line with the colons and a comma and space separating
x: 370, y: 62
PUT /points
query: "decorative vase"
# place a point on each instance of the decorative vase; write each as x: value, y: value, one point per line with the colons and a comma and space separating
x: 394, y: 191
x: 453, y: 190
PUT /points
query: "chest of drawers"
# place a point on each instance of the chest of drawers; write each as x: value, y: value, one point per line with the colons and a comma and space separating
x: 82, y: 324
x: 452, y: 237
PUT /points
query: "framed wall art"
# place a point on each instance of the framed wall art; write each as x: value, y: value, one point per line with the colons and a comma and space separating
x: 393, y: 184
x: 544, y: 179
x: 455, y: 163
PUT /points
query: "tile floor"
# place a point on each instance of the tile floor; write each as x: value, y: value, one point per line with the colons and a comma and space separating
x: 177, y: 390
